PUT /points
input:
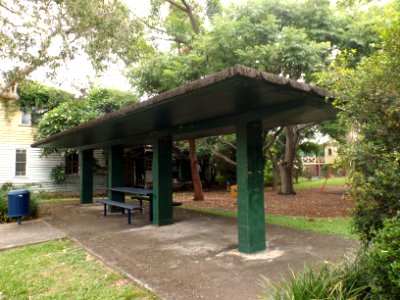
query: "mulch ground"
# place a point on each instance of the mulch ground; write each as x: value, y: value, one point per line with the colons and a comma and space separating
x: 310, y: 202
x: 334, y: 202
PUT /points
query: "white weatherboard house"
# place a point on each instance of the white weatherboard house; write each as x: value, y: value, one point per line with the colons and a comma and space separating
x: 23, y: 166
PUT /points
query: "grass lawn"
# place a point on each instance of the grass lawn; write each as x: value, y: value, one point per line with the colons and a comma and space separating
x: 317, y: 183
x: 336, y: 226
x: 61, y: 270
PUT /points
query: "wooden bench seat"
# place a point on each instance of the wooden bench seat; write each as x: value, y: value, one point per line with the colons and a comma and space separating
x: 124, y: 206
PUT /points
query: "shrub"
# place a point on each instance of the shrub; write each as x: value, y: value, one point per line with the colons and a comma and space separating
x: 34, y: 203
x: 344, y: 281
x: 384, y: 260
x: 57, y: 175
x: 3, y: 206
x: 7, y: 186
x: 308, y: 173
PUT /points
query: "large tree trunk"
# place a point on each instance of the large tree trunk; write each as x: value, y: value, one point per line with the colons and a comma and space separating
x: 276, y: 177
x: 286, y: 164
x: 198, y: 189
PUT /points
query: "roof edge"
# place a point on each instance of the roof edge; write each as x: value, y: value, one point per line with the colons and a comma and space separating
x: 237, y: 70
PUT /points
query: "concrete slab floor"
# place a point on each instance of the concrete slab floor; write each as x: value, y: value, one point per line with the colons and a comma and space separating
x: 29, y: 232
x: 196, y: 257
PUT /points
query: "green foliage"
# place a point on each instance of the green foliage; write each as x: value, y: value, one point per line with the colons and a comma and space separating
x: 268, y: 173
x: 369, y: 97
x: 308, y: 173
x: 104, y: 100
x: 64, y: 116
x: 57, y: 175
x: 38, y: 99
x: 3, y: 206
x: 292, y: 37
x: 384, y: 260
x: 34, y: 201
x: 344, y: 281
x: 74, y: 112
x: 101, y: 29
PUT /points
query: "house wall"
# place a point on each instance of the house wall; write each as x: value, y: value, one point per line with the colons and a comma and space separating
x: 15, y: 136
x: 330, y: 153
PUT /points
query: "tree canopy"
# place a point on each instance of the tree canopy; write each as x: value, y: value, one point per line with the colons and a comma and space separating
x: 369, y: 96
x: 37, y: 34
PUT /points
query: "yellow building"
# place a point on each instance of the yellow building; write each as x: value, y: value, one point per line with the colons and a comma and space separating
x: 316, y: 163
x: 23, y: 166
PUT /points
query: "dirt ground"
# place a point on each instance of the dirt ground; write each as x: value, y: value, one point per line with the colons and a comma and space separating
x: 309, y: 202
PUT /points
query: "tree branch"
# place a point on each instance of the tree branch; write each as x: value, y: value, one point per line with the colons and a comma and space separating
x: 180, y: 7
x: 218, y: 154
x: 222, y: 141
x: 189, y: 12
x: 274, y: 136
x: 172, y: 39
x: 9, y: 9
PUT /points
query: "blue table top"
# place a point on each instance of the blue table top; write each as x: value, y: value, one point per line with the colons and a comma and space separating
x: 132, y: 190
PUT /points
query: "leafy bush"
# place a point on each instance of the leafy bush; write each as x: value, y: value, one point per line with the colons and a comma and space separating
x: 57, y: 175
x: 7, y: 186
x: 368, y: 96
x: 308, y: 173
x: 344, y: 281
x: 34, y: 203
x: 384, y: 260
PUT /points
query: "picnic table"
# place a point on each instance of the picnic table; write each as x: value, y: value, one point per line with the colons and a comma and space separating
x: 137, y: 193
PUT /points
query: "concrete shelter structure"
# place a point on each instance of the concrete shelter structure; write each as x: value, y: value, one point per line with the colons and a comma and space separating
x: 237, y: 100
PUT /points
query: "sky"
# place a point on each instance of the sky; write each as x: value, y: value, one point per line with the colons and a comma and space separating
x: 78, y: 74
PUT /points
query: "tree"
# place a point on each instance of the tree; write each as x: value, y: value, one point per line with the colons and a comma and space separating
x: 42, y: 33
x: 369, y: 96
x: 295, y: 38
x: 182, y: 26
x: 98, y: 102
x: 38, y: 99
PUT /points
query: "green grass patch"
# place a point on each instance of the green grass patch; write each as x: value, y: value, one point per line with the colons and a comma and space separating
x: 61, y: 270
x: 317, y: 183
x: 52, y: 200
x: 335, y: 226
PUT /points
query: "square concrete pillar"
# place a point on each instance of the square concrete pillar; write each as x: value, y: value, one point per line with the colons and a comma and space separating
x: 162, y: 182
x: 250, y: 180
x: 116, y: 172
x: 86, y: 176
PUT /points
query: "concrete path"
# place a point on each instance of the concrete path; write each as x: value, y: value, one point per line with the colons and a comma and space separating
x: 196, y: 257
x: 29, y: 232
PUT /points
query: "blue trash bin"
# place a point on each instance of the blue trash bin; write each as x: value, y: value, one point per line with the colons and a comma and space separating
x: 18, y: 204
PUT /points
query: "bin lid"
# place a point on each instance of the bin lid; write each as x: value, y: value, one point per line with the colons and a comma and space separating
x: 18, y: 192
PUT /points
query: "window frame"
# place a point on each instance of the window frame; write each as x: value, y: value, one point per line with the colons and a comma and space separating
x: 27, y: 117
x: 71, y: 164
x: 18, y: 162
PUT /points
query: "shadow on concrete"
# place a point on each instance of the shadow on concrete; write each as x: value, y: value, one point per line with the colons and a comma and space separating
x: 196, y: 257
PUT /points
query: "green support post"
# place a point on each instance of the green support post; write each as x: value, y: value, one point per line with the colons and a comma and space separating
x: 251, y: 215
x: 86, y: 176
x: 116, y: 172
x: 162, y: 182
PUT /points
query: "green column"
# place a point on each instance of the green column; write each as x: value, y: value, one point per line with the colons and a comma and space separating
x: 162, y: 181
x: 116, y: 172
x: 86, y: 176
x: 251, y: 216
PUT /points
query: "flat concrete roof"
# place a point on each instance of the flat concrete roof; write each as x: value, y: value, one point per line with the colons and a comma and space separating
x: 209, y: 106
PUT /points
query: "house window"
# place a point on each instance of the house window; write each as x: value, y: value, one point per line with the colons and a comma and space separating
x: 329, y: 151
x: 20, y: 162
x: 25, y: 118
x: 71, y: 163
